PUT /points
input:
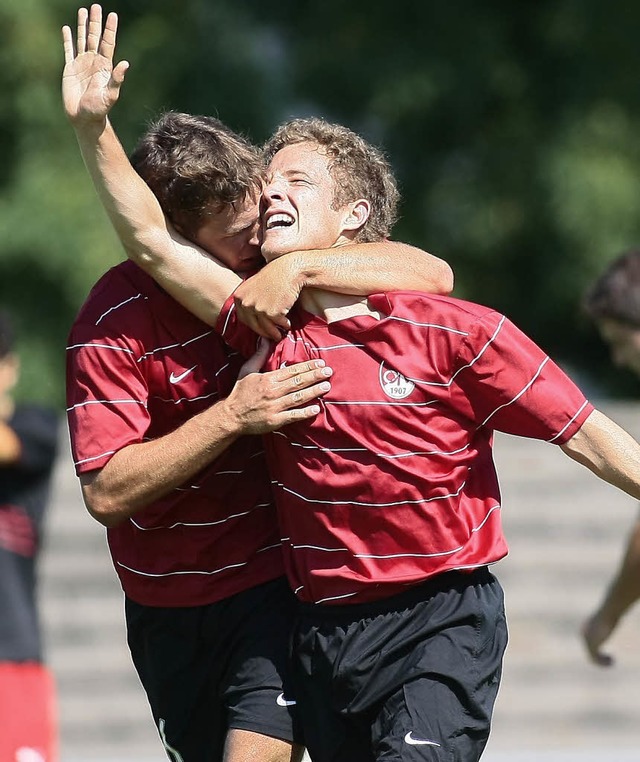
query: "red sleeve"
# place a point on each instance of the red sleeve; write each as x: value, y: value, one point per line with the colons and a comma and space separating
x: 236, y: 334
x: 106, y: 395
x: 509, y: 384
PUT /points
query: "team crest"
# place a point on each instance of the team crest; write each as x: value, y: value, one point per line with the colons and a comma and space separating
x: 394, y: 384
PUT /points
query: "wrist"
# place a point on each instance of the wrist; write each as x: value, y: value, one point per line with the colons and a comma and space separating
x: 88, y: 128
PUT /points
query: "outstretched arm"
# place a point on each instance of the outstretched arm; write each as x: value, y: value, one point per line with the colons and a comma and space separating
x: 609, y: 451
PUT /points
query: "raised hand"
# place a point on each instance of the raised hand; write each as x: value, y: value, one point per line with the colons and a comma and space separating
x: 90, y: 82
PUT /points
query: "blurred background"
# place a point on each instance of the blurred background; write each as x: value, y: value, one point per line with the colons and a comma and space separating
x: 513, y: 128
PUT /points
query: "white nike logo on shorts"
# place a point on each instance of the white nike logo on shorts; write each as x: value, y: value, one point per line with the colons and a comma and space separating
x: 418, y: 741
x: 282, y: 701
x: 175, y: 379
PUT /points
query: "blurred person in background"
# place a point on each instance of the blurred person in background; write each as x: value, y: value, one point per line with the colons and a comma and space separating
x: 28, y: 448
x: 613, y: 303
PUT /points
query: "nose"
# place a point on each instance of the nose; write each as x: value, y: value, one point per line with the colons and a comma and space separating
x: 273, y: 190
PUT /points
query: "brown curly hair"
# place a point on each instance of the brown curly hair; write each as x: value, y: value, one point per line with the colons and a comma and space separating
x: 359, y: 170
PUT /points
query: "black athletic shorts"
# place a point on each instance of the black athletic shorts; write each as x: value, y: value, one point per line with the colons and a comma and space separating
x: 410, y: 677
x: 207, y: 669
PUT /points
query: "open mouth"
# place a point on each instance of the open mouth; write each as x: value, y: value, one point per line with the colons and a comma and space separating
x: 279, y: 220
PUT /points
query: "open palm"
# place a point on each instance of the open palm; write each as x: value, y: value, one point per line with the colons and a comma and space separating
x: 90, y: 82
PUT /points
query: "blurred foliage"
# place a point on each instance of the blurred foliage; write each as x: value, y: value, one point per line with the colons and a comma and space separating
x: 512, y: 127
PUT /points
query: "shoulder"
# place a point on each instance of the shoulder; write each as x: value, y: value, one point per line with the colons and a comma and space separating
x: 123, y: 286
x: 433, y: 308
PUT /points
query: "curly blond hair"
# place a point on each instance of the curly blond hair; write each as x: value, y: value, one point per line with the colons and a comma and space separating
x: 359, y: 170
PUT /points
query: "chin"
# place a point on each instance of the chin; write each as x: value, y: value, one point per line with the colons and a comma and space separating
x: 271, y: 254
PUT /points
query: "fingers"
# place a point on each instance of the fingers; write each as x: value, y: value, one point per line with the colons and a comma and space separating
x: 81, y: 38
x: 90, y: 36
x: 95, y: 28
x: 67, y: 44
x: 292, y: 372
x: 108, y: 42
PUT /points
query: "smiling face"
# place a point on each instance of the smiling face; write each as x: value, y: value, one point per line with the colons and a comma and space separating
x: 298, y: 204
x: 231, y: 235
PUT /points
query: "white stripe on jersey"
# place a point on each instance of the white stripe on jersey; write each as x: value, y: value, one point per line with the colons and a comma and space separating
x: 386, y: 403
x: 107, y: 402
x: 146, y: 355
x: 464, y: 367
x: 269, y: 547
x: 182, y: 573
x: 400, y: 555
x: 95, y: 457
x: 405, y: 454
x: 370, y: 505
x: 100, y: 346
x: 520, y: 393
x: 312, y: 348
x: 561, y: 432
x: 427, y: 325
x: 202, y: 523
x: 185, y: 399
x: 122, y: 304
x: 335, y: 597
x: 431, y: 555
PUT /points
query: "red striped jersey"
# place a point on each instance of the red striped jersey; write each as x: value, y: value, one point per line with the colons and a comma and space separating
x: 394, y: 481
x: 138, y: 366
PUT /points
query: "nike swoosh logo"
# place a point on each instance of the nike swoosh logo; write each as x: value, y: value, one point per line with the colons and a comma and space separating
x: 418, y: 741
x: 282, y: 701
x: 176, y: 379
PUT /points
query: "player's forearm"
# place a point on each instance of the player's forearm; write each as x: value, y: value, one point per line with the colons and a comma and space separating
x: 132, y: 208
x: 194, y: 278
x: 141, y: 473
x: 607, y: 450
x: 368, y: 268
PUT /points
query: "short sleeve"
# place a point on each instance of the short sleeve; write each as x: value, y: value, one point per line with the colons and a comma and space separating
x: 509, y: 384
x: 236, y: 334
x: 107, y: 395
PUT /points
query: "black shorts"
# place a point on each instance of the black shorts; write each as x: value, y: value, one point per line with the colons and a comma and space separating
x: 412, y: 677
x: 207, y: 669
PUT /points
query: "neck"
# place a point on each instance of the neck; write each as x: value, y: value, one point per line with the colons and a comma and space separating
x: 332, y: 307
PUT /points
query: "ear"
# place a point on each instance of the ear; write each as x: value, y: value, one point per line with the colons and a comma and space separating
x: 357, y: 214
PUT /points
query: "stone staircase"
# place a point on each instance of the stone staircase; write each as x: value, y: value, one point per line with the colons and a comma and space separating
x: 565, y: 529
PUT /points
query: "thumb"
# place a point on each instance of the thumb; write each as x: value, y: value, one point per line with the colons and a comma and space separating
x: 255, y: 362
x: 118, y: 74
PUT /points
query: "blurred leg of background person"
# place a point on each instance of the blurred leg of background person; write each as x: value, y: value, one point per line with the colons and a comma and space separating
x: 28, y: 446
